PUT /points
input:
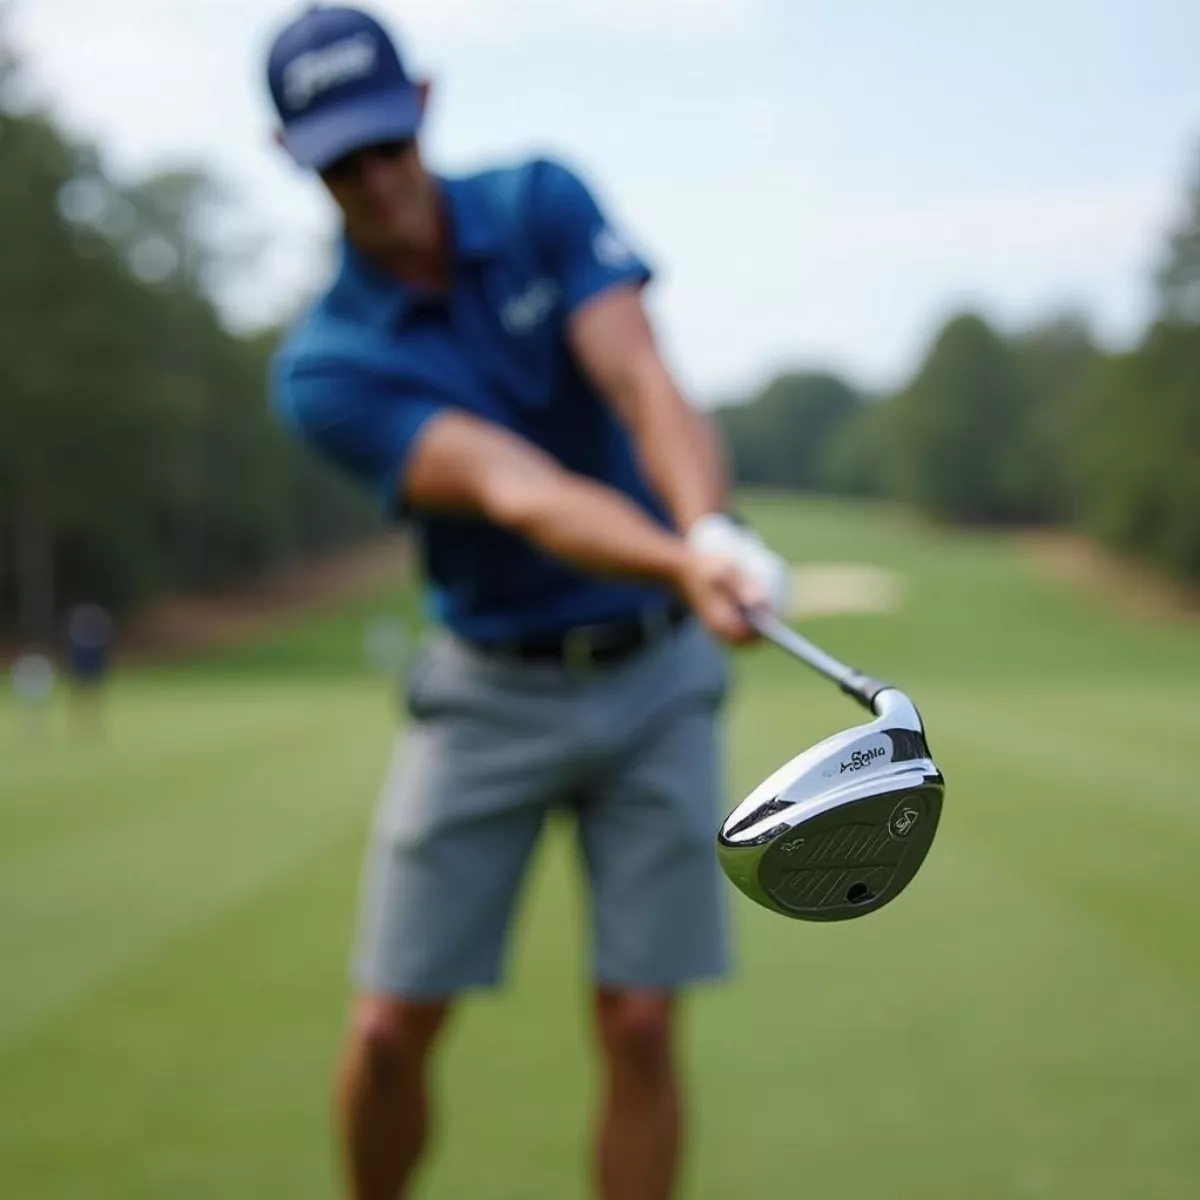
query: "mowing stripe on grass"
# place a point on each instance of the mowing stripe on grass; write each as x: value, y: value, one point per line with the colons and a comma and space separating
x: 80, y: 910
x: 1113, y: 862
x: 1161, y: 786
x: 975, y: 1037
x: 87, y: 789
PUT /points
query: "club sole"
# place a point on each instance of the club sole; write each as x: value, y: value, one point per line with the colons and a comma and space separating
x: 852, y: 859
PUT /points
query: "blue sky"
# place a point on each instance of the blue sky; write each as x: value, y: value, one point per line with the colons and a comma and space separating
x: 818, y: 184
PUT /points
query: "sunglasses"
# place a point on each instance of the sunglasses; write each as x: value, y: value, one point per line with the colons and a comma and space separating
x: 347, y: 168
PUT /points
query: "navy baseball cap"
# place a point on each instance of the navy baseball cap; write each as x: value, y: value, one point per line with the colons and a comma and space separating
x: 338, y: 84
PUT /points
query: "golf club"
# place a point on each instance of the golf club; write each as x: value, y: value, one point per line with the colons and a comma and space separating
x: 841, y: 829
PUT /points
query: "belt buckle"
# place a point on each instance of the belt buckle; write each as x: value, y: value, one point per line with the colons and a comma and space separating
x: 654, y: 623
x: 577, y: 648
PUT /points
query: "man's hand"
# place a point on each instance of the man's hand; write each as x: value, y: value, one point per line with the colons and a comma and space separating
x: 718, y: 534
x: 719, y: 594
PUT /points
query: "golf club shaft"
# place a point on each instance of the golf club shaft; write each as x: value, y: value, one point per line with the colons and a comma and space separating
x: 853, y: 683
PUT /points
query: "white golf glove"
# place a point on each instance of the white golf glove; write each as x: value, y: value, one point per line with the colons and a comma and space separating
x: 719, y: 534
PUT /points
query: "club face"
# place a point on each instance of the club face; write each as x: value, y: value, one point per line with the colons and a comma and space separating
x: 840, y: 830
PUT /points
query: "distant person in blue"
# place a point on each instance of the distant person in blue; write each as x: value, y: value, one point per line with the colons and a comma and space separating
x: 89, y: 639
x: 483, y: 365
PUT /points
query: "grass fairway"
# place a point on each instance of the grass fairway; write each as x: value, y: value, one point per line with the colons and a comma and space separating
x: 176, y: 901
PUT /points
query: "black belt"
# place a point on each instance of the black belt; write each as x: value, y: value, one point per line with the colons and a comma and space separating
x: 604, y: 643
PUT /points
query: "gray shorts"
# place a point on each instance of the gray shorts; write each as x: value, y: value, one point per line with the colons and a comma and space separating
x: 630, y: 752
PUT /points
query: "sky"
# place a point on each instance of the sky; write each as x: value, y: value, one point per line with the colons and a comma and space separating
x: 819, y: 184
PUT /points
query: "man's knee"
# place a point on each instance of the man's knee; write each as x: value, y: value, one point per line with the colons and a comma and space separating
x: 391, y: 1036
x: 636, y: 1029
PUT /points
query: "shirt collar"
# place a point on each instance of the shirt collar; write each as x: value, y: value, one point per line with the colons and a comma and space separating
x: 473, y: 229
x: 474, y: 237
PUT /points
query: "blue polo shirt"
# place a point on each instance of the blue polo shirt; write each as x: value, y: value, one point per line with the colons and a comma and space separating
x: 372, y: 360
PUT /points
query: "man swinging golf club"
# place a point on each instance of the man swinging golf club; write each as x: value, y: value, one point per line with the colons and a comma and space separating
x: 482, y: 362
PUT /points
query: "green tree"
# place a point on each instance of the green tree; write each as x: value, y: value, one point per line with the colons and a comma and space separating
x: 957, y: 427
x: 1054, y: 358
x: 1179, y: 275
x: 1137, y: 465
x: 781, y: 437
x: 858, y: 460
x: 1136, y: 454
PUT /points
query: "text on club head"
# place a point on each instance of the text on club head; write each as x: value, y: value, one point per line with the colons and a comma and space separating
x: 862, y: 758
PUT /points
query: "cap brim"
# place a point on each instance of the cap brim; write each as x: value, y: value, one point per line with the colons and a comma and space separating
x: 323, y: 138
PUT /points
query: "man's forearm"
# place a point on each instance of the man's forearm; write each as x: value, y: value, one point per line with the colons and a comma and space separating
x: 463, y: 465
x: 596, y: 529
x: 677, y: 447
x: 679, y: 450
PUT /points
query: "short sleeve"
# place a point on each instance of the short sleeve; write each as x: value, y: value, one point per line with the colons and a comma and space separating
x: 355, y: 421
x: 584, y: 250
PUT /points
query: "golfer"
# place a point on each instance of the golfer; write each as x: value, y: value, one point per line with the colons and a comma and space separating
x: 89, y: 643
x: 482, y: 363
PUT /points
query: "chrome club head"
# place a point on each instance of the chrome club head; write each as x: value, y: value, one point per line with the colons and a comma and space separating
x: 841, y: 829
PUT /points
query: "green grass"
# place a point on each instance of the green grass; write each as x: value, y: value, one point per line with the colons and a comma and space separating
x: 176, y: 902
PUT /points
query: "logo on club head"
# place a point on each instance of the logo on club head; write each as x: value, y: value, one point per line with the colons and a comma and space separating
x: 792, y: 846
x: 862, y: 758
x: 903, y: 821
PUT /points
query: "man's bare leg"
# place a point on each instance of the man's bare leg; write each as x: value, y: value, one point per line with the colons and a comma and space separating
x: 638, y: 1140
x: 383, y: 1105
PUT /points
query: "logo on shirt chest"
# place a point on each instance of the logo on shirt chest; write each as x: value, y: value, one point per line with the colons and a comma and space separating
x: 524, y: 312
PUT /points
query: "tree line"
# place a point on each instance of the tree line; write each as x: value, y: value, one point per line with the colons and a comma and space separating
x: 138, y: 455
x: 1038, y: 427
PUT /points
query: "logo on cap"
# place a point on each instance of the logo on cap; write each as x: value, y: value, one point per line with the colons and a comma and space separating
x: 316, y: 71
